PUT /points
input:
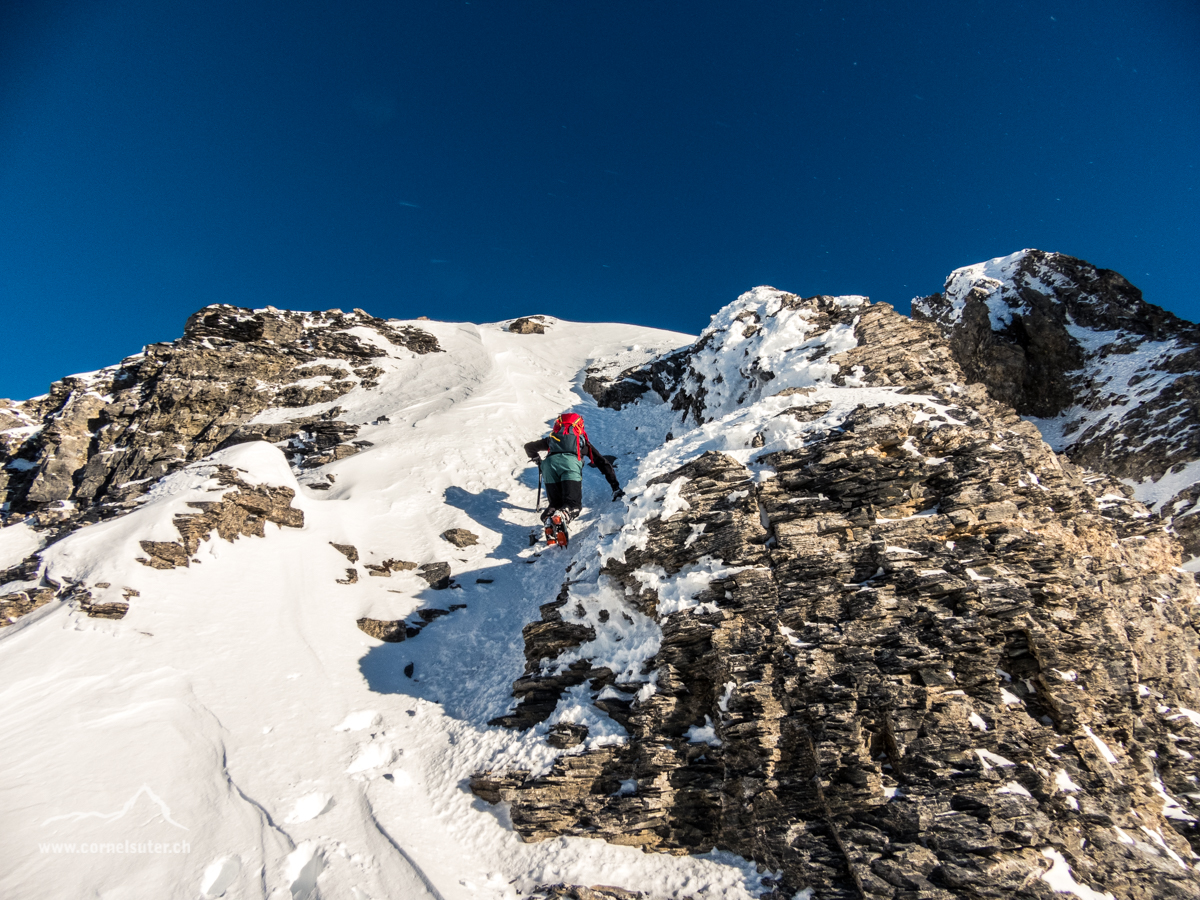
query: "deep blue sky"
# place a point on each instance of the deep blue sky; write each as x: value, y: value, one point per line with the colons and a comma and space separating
x: 630, y: 161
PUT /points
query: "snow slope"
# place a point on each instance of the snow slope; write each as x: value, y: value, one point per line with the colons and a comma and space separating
x: 237, y: 735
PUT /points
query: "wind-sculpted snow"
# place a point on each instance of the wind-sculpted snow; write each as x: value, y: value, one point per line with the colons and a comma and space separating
x: 766, y: 342
x: 1109, y: 379
x: 770, y: 343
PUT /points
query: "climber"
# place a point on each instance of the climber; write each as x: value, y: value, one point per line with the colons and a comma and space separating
x: 562, y: 470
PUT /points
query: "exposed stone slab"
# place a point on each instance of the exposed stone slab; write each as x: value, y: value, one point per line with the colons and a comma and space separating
x: 460, y: 537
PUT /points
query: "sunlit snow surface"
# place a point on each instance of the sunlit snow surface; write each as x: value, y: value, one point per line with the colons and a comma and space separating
x: 237, y: 735
x: 239, y: 725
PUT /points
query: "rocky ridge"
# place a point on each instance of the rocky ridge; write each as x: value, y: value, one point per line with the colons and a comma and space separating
x: 1111, y: 380
x: 92, y: 446
x: 861, y: 625
x: 858, y: 624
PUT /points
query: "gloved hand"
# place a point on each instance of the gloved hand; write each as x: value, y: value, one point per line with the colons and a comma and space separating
x: 618, y: 494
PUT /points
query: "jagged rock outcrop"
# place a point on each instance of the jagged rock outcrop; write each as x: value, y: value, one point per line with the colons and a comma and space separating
x: 95, y: 443
x: 26, y: 587
x: 393, y: 631
x: 347, y: 550
x: 244, y: 511
x: 388, y: 566
x: 738, y: 361
x: 390, y: 631
x: 919, y: 655
x: 529, y: 325
x: 538, y: 692
x: 15, y: 604
x: 1113, y: 381
x: 437, y: 574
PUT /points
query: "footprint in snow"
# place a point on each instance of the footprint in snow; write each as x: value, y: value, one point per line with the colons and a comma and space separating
x: 357, y: 721
x: 301, y: 869
x: 309, y: 807
x: 219, y: 875
x: 374, y: 756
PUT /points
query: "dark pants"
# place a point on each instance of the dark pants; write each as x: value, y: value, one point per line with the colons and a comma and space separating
x: 565, y: 495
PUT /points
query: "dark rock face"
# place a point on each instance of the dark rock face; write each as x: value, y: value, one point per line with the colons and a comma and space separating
x: 538, y: 693
x: 945, y: 662
x: 88, y: 449
x: 528, y: 325
x: 437, y: 574
x: 391, y: 631
x: 661, y: 375
x: 1115, y: 379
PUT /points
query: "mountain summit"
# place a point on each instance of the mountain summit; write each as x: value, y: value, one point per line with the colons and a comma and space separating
x: 1110, y: 380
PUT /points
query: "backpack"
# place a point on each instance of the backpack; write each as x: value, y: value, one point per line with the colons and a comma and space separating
x: 569, y: 435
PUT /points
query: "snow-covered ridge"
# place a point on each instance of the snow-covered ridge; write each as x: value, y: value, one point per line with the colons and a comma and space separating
x: 272, y: 618
x: 996, y: 282
x: 767, y: 341
x: 923, y: 486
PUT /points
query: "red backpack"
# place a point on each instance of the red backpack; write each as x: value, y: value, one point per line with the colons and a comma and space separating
x: 569, y: 435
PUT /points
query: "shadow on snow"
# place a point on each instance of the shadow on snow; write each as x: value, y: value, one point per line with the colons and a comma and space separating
x: 468, y: 659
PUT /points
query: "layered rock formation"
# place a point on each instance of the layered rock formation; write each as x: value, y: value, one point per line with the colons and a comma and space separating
x: 95, y: 443
x: 243, y: 511
x: 91, y: 448
x: 902, y: 651
x: 858, y: 622
x: 1111, y: 380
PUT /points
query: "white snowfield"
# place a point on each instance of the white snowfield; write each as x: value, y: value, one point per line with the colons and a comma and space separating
x: 237, y: 735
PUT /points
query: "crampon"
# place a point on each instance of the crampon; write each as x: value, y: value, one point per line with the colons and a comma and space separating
x: 556, y: 531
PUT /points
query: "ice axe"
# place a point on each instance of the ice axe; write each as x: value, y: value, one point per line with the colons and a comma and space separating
x: 533, y: 535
